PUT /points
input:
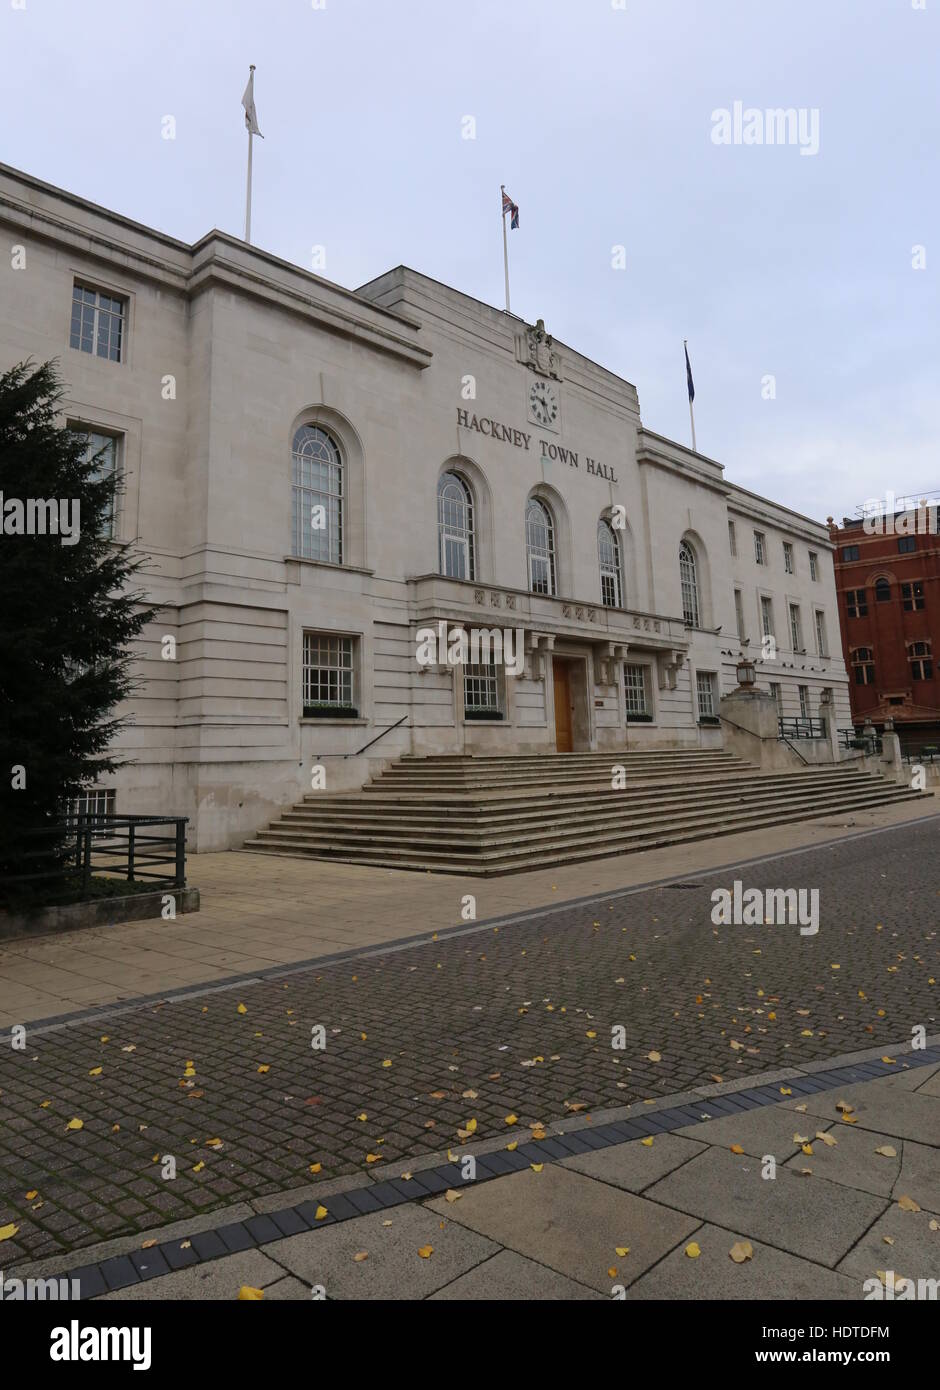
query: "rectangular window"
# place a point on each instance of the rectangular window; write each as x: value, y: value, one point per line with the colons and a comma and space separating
x: 767, y: 616
x: 777, y: 693
x: 760, y: 548
x: 481, y: 689
x: 804, y: 702
x: 739, y: 612
x: 732, y: 538
x: 105, y: 450
x: 636, y: 684
x: 328, y: 674
x: 921, y: 671
x: 856, y: 603
x: 850, y: 552
x: 863, y: 666
x: 907, y: 544
x: 912, y: 595
x: 93, y: 801
x: 788, y: 557
x: 97, y: 323
x: 822, y: 644
x: 796, y: 628
x: 705, y: 690
x: 813, y: 566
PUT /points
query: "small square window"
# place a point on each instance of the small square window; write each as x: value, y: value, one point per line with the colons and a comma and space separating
x: 856, y: 603
x: 850, y: 552
x: 907, y: 544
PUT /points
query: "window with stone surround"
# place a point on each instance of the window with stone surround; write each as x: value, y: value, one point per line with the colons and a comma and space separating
x: 329, y: 679
x: 688, y: 582
x: 706, y: 684
x: 457, y: 557
x: 97, y: 323
x: 637, y: 687
x: 608, y: 558
x: 317, y: 501
x: 481, y: 691
x: 540, y: 547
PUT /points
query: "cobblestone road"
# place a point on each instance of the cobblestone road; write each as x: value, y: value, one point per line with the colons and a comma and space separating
x: 470, y: 1028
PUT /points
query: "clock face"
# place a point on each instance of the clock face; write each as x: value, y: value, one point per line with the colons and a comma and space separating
x: 543, y: 403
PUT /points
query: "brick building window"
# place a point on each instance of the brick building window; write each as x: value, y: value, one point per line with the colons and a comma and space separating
x: 863, y: 665
x: 921, y: 664
x: 850, y: 552
x: 912, y: 596
x: 907, y: 544
x: 856, y: 602
x: 882, y: 591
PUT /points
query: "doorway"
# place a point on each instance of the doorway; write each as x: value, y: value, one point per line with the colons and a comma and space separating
x: 564, y: 736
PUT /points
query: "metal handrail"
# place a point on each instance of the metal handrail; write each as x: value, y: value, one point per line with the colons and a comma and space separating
x: 387, y: 730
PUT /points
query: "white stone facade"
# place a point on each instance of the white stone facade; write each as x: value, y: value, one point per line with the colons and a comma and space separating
x: 225, y: 353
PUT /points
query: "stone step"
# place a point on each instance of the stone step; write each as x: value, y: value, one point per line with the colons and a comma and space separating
x: 492, y: 866
x: 481, y: 838
x: 610, y: 804
x: 375, y: 796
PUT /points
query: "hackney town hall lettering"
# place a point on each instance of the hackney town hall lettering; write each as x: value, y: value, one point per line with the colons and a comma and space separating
x: 520, y: 440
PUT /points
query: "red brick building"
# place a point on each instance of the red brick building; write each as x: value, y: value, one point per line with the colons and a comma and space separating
x: 888, y: 588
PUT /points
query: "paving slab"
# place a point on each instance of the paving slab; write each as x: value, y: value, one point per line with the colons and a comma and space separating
x: 807, y: 1216
x: 851, y: 1160
x: 767, y: 1130
x: 769, y: 1274
x: 920, y: 1176
x: 931, y: 1087
x: 509, y: 1275
x: 394, y: 1269
x: 215, y: 1280
x: 285, y: 1290
x: 915, y: 1253
x: 570, y: 1222
x: 636, y: 1165
x: 884, y: 1107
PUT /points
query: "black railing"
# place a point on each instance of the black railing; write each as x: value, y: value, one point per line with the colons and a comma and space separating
x: 858, y: 741
x: 801, y: 728
x: 140, y: 850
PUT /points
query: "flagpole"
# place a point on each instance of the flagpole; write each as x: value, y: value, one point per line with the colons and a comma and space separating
x: 502, y: 190
x: 248, y: 190
x: 685, y: 343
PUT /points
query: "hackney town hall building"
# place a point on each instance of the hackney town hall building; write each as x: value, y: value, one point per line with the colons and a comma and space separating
x: 338, y: 491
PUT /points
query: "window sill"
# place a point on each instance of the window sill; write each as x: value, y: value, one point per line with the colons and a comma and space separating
x: 325, y: 564
x: 335, y: 723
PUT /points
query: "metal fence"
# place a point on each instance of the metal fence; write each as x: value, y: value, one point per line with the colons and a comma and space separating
x: 860, y: 741
x: 801, y: 728
x: 86, y: 845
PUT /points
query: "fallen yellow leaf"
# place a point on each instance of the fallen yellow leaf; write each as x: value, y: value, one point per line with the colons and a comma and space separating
x: 247, y: 1294
x: 692, y: 1250
x: 741, y: 1250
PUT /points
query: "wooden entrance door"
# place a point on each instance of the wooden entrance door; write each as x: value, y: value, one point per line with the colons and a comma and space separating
x: 562, y: 679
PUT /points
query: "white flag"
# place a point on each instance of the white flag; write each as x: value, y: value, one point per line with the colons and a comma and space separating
x: 248, y: 101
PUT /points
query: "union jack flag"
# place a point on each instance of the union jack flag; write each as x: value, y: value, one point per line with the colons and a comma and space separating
x: 510, y: 207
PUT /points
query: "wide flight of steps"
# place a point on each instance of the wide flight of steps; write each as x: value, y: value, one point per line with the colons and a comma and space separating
x: 499, y: 815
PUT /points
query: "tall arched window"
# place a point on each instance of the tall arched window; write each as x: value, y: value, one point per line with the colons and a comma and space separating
x: 317, y: 505
x: 608, y: 558
x: 455, y: 527
x: 882, y: 590
x: 689, y: 582
x: 540, y: 547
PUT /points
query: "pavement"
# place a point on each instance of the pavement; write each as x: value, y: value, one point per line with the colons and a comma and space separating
x: 151, y: 1125
x: 261, y: 911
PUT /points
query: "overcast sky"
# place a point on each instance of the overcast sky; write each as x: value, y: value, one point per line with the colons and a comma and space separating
x: 599, y: 121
